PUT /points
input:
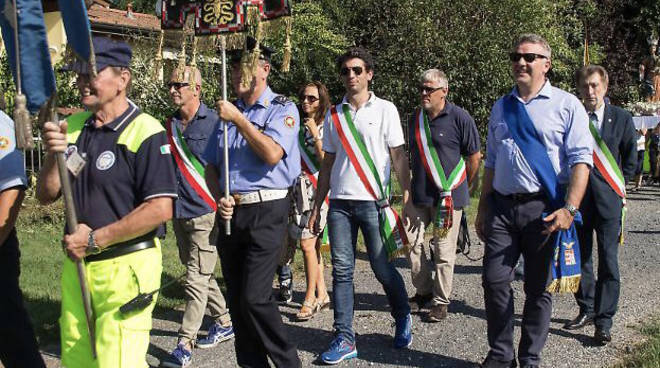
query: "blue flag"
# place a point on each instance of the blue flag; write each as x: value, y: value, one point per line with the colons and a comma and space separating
x: 37, y: 77
x: 76, y: 24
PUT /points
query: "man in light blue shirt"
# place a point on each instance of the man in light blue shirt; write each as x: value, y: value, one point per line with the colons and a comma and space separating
x: 19, y: 346
x: 511, y: 212
x: 264, y: 162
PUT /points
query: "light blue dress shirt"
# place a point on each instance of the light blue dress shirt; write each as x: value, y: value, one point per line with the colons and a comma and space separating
x: 277, y: 118
x: 12, y: 167
x: 563, y: 126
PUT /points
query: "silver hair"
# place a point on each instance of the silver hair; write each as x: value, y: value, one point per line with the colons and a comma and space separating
x: 533, y: 38
x: 434, y: 75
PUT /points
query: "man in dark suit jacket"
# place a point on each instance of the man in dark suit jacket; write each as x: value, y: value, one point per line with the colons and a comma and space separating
x: 602, y: 204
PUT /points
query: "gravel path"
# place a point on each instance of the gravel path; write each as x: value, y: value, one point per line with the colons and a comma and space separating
x: 460, y: 340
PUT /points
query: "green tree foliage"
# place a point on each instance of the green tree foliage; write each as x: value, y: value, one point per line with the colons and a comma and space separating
x: 469, y: 40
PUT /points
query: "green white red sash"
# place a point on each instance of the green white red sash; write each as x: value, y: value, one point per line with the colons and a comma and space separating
x: 392, y: 231
x: 434, y: 170
x: 191, y: 169
x: 608, y: 168
x: 310, y: 167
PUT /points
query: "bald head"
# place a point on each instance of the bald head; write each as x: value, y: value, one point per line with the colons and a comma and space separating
x: 185, y: 88
x: 189, y: 74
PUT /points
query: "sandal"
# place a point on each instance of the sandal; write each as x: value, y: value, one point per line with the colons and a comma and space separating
x: 307, y: 311
x: 324, y: 304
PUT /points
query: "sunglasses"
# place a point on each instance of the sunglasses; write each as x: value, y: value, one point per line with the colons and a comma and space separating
x: 428, y: 90
x: 177, y: 85
x: 529, y: 57
x: 346, y: 71
x: 310, y: 98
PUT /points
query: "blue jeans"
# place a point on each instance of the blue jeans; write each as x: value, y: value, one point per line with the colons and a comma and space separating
x: 344, y: 219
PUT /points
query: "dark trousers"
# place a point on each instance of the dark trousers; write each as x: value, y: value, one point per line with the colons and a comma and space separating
x: 513, y: 227
x: 18, y: 346
x: 601, y: 297
x: 249, y: 257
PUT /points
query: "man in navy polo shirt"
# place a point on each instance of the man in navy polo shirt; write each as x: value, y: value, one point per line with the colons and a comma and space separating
x: 443, y: 137
x: 123, y: 184
x: 194, y: 221
x: 264, y: 162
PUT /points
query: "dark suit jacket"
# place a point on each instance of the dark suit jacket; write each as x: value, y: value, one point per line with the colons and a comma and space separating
x: 618, y: 132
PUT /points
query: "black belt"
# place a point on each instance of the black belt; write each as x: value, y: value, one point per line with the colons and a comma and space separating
x: 522, y: 197
x: 121, y: 249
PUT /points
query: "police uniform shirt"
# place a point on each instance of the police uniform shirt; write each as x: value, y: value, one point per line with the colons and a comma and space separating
x: 274, y: 116
x: 196, y: 135
x: 128, y: 162
x: 454, y: 134
x: 12, y: 169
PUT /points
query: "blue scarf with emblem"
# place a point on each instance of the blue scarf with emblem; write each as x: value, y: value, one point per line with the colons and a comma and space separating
x: 565, y: 262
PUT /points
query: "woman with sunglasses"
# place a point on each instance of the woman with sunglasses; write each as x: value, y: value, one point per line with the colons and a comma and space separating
x: 314, y: 102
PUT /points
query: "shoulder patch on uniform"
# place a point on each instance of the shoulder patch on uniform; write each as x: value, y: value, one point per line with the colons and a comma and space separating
x: 141, y: 128
x: 4, y: 143
x: 281, y: 100
x: 289, y: 121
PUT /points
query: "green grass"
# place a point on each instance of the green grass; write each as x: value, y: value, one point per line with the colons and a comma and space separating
x: 646, y: 354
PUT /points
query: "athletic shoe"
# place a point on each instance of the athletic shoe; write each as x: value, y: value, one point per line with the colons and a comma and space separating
x: 180, y: 357
x: 339, y: 350
x: 216, y: 335
x: 403, y: 332
x: 285, y: 296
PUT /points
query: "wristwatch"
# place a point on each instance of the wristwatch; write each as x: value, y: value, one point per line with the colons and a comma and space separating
x: 92, y: 247
x: 571, y: 209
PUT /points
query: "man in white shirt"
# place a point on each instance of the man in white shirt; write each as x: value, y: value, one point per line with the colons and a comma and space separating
x: 371, y: 134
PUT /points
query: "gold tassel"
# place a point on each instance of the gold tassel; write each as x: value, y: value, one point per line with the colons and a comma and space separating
x: 193, y: 57
x: 286, y: 59
x: 250, y: 60
x: 22, y: 123
x: 569, y: 284
x: 158, y: 67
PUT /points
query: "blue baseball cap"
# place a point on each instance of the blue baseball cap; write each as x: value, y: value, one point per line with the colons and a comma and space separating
x: 108, y: 52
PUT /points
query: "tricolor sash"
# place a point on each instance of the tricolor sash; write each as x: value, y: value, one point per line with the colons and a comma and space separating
x: 191, y: 169
x: 310, y: 167
x: 433, y: 167
x: 608, y: 168
x: 392, y: 231
x: 565, y: 262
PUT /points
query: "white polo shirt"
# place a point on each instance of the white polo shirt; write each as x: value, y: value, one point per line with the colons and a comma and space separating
x: 380, y: 128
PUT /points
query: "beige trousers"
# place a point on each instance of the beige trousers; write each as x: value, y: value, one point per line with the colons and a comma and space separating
x: 196, y: 239
x: 444, y: 256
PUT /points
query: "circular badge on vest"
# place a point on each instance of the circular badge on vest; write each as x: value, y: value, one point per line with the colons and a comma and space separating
x: 105, y: 160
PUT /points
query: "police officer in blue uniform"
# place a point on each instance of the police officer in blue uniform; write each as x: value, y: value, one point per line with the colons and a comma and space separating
x: 264, y: 162
x: 18, y: 347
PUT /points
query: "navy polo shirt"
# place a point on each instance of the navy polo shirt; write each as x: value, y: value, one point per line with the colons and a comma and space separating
x: 128, y: 162
x: 196, y: 135
x: 454, y: 134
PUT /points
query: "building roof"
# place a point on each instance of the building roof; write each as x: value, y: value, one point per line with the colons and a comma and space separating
x: 102, y: 17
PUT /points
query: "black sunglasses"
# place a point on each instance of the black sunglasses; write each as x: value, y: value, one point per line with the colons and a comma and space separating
x: 346, y: 71
x: 529, y: 57
x: 177, y: 85
x: 310, y: 98
x: 428, y: 90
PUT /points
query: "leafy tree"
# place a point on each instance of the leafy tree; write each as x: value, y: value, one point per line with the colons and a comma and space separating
x: 468, y: 40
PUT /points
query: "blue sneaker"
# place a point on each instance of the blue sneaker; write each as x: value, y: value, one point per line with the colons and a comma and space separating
x: 403, y: 332
x: 339, y: 350
x: 180, y: 357
x: 216, y: 335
